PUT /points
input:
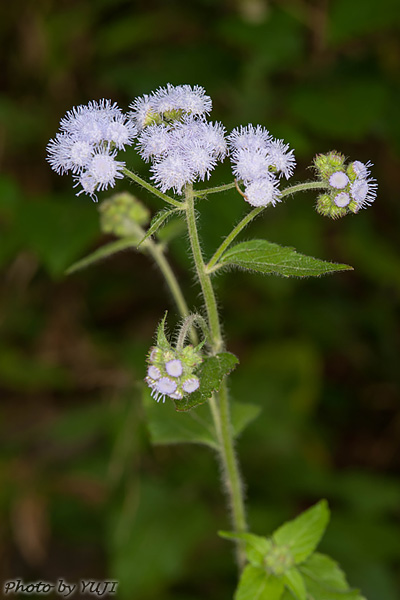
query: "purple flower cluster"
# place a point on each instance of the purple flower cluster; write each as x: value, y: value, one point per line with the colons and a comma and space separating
x: 356, y: 188
x: 87, y: 145
x: 258, y: 160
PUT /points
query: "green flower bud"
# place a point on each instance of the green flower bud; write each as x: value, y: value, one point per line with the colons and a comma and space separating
x: 122, y: 215
x: 326, y: 207
x: 327, y: 164
x: 278, y: 560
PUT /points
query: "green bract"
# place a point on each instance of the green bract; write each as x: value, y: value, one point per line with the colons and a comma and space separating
x: 285, y: 566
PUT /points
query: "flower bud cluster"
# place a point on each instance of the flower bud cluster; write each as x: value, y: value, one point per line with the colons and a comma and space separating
x: 350, y: 186
x: 258, y: 160
x: 87, y: 145
x: 121, y: 215
x: 175, y: 135
x: 171, y: 372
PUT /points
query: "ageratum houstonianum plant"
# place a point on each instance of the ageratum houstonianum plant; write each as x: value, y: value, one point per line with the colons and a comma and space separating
x: 171, y: 131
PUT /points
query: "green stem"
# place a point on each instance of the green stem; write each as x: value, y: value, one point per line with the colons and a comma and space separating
x: 152, y: 189
x: 220, y: 411
x: 204, y: 279
x: 214, y: 190
x: 300, y: 187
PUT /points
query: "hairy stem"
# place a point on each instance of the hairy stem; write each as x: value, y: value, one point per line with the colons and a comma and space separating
x: 214, y: 190
x: 220, y: 410
x: 204, y: 279
x: 145, y: 184
x: 300, y: 187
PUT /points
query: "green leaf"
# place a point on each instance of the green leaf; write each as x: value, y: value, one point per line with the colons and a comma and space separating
x: 156, y: 223
x: 242, y: 414
x: 256, y: 584
x: 303, y: 534
x: 162, y: 341
x: 295, y: 583
x: 325, y: 580
x: 268, y: 258
x: 211, y: 373
x: 102, y: 253
x: 166, y: 426
x: 256, y: 546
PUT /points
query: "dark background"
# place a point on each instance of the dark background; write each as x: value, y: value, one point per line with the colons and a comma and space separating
x: 83, y: 494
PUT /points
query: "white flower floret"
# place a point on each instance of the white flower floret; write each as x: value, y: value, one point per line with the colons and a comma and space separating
x: 142, y: 109
x: 182, y: 97
x: 88, y: 183
x: 262, y: 192
x: 361, y: 169
x: 281, y: 157
x: 120, y: 132
x: 154, y: 142
x: 342, y: 199
x: 64, y: 154
x: 364, y: 191
x: 165, y: 385
x: 248, y: 138
x: 154, y: 372
x: 190, y: 385
x: 105, y: 169
x: 338, y: 180
x: 200, y: 158
x: 174, y: 367
x: 213, y: 136
x: 249, y: 165
x: 173, y: 172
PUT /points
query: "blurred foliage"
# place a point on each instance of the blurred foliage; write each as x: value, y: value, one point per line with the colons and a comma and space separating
x: 82, y: 491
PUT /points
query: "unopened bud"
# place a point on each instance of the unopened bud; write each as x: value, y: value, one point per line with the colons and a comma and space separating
x: 123, y: 215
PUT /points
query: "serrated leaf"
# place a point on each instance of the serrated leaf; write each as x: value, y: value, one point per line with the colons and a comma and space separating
x: 302, y: 535
x: 268, y: 258
x: 325, y: 580
x: 294, y: 581
x: 211, y: 373
x: 156, y: 223
x: 256, y: 546
x: 256, y: 584
x: 101, y: 253
x: 166, y: 426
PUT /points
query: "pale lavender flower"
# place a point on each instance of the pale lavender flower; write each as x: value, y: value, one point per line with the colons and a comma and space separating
x: 191, y: 385
x: 342, y: 199
x: 248, y: 138
x: 174, y: 367
x: 362, y: 169
x: 338, y: 180
x: 182, y: 97
x: 364, y: 191
x: 213, y: 136
x: 154, y: 142
x: 142, y: 109
x: 120, y: 131
x: 65, y: 153
x: 281, y: 158
x: 262, y: 192
x: 249, y: 165
x: 173, y: 172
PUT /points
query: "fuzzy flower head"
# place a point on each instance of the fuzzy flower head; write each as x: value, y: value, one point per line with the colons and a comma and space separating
x: 349, y: 187
x: 87, y: 143
x: 169, y: 103
x: 252, y: 142
x: 176, y: 137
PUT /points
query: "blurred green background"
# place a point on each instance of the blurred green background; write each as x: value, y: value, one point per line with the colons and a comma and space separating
x: 83, y: 494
